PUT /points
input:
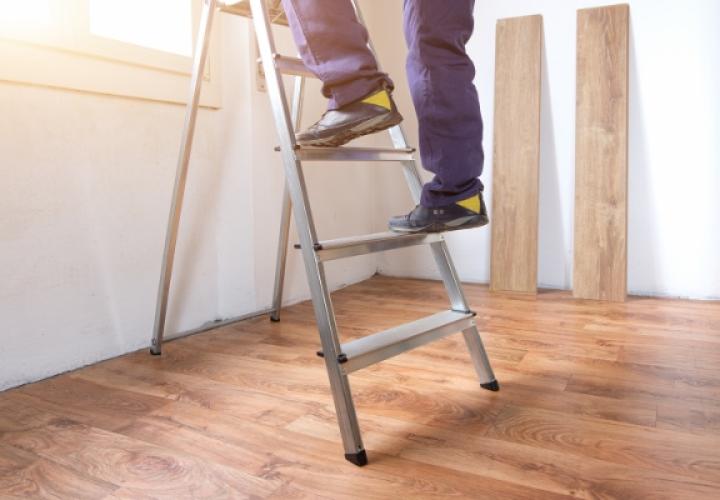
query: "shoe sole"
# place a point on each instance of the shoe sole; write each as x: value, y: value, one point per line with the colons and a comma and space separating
x: 368, y: 127
x: 469, y: 222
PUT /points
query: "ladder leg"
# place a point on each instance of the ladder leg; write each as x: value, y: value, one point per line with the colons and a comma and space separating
x: 451, y: 280
x: 342, y: 397
x: 298, y: 94
x: 480, y: 359
x: 339, y: 383
x: 459, y: 303
x: 201, y: 50
x: 449, y: 276
x: 281, y: 254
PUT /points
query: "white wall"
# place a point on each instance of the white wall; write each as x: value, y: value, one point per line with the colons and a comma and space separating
x: 84, y: 197
x: 86, y: 183
x: 674, y: 170
x: 248, y: 140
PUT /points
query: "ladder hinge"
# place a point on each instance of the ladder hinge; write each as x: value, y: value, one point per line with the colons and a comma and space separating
x: 342, y: 357
x: 316, y: 246
x: 469, y: 311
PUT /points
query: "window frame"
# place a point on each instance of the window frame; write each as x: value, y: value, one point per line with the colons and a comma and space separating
x: 67, y: 55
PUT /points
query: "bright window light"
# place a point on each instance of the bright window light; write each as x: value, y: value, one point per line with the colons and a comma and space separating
x: 164, y: 25
x: 19, y: 15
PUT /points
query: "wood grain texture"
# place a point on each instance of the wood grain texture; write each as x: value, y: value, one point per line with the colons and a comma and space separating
x: 599, y: 400
x: 601, y: 154
x: 516, y: 154
x: 24, y: 475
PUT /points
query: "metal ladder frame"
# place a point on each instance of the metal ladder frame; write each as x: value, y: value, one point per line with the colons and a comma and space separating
x: 340, y: 359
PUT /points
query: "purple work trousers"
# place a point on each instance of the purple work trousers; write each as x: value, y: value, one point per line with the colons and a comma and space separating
x: 333, y: 45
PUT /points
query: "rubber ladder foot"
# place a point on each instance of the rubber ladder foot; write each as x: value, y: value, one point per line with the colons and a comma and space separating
x: 491, y: 386
x: 359, y: 458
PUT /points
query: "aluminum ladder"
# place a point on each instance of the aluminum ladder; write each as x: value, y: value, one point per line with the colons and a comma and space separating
x: 341, y: 359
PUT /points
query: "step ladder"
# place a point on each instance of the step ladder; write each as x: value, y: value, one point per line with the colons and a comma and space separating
x: 341, y: 359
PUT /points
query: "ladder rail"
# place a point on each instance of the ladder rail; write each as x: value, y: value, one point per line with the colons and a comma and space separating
x: 339, y: 384
x: 281, y: 258
x: 286, y: 210
x: 168, y: 259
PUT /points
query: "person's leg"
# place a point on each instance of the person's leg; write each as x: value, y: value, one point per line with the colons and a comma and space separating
x: 333, y: 45
x: 441, y: 75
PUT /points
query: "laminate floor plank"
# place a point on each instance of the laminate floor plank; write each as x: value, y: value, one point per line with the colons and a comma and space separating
x: 23, y: 475
x: 516, y: 154
x: 656, y: 449
x: 692, y: 418
x: 89, y: 402
x: 116, y: 459
x: 211, y: 395
x: 601, y: 153
x: 543, y: 469
x: 305, y: 461
x: 597, y: 400
x: 634, y: 391
x: 707, y: 380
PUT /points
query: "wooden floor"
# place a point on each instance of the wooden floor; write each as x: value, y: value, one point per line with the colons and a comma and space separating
x: 598, y: 400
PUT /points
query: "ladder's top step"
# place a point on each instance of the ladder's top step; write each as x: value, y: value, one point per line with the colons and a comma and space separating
x: 242, y: 8
x: 308, y: 153
x: 368, y: 350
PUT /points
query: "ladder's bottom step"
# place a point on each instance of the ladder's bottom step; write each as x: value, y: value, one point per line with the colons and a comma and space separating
x: 374, y: 348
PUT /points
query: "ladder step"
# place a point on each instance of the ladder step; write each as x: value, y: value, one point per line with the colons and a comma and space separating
x: 276, y: 14
x: 370, y: 243
x: 309, y: 153
x: 374, y: 348
x: 292, y: 66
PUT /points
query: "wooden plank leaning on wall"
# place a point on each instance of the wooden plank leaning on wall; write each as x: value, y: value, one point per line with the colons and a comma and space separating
x: 601, y: 152
x: 518, y: 66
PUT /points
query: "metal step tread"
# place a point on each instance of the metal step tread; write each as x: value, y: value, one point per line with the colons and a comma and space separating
x: 371, y: 238
x: 350, y: 153
x: 371, y: 243
x: 383, y: 345
x: 292, y: 66
x: 276, y: 14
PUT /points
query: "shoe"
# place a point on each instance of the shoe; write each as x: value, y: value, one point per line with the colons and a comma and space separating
x: 371, y: 114
x: 464, y: 214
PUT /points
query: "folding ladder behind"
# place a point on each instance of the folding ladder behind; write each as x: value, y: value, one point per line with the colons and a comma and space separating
x: 341, y: 359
